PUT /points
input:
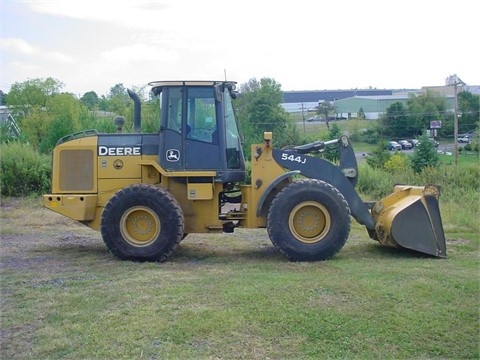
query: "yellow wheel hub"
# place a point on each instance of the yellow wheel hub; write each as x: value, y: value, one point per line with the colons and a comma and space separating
x: 140, y: 226
x: 309, y: 222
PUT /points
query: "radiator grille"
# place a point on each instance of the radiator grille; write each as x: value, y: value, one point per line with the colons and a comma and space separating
x: 76, y: 170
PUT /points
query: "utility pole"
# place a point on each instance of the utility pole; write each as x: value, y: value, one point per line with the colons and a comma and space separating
x: 455, y: 126
x: 454, y: 81
x: 303, y: 117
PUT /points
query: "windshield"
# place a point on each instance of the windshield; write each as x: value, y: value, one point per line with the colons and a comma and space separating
x: 232, y: 135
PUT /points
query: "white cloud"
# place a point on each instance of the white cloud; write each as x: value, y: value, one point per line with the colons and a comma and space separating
x: 57, y: 56
x: 139, y: 53
x: 22, y: 47
x: 302, y: 45
x: 85, y: 9
x: 17, y: 45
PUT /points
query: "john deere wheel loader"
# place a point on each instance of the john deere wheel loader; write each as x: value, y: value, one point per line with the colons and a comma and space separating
x: 146, y: 192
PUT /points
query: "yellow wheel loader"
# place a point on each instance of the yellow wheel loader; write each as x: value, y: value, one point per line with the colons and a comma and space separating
x: 146, y: 192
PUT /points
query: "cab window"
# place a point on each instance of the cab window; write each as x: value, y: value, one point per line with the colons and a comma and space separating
x: 201, y: 115
x: 232, y: 136
x: 174, y: 110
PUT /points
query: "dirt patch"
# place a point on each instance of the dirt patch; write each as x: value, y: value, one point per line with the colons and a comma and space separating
x: 459, y: 241
x: 35, y: 238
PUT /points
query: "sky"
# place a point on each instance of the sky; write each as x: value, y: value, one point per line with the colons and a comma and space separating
x: 303, y: 44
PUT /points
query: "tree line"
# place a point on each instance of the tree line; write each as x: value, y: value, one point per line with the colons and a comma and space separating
x: 414, y: 119
x: 45, y: 113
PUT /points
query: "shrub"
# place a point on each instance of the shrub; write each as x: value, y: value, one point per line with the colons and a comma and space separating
x: 397, y: 163
x: 425, y: 155
x: 374, y: 183
x: 23, y: 171
x: 379, y: 156
x: 58, y: 127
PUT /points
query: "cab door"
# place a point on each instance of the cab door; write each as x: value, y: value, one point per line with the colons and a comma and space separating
x: 189, y: 134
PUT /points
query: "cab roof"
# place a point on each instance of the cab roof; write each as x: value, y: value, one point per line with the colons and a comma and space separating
x: 158, y: 85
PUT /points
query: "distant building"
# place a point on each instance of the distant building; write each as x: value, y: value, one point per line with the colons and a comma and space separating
x: 7, y: 121
x: 373, y: 102
x: 296, y: 101
x: 372, y: 106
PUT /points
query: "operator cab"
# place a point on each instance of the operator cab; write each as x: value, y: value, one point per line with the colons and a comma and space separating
x: 198, y: 128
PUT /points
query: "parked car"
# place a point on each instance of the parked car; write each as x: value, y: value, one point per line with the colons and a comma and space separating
x: 406, y: 145
x: 394, y: 146
x: 435, y: 142
x: 414, y: 142
x: 314, y: 118
x: 463, y: 139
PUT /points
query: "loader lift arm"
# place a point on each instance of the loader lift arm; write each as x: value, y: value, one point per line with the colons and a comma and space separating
x: 408, y: 218
x: 344, y: 176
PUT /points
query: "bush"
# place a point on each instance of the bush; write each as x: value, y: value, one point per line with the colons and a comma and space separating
x: 397, y: 163
x: 60, y: 126
x: 374, y: 183
x: 23, y: 171
x: 425, y: 155
x: 379, y: 156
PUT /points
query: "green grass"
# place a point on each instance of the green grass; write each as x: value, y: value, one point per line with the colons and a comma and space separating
x: 232, y: 296
x: 462, y: 159
x: 229, y: 296
x: 348, y: 126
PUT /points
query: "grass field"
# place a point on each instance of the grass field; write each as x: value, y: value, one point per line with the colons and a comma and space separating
x: 232, y: 296
x: 229, y: 296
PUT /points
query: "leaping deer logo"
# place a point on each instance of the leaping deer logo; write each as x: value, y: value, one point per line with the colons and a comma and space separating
x: 173, y: 155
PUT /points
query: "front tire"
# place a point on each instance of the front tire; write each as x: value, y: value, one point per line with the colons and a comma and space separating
x: 142, y: 222
x: 309, y: 220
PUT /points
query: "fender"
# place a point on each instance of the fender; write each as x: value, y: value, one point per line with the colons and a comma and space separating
x: 270, y: 187
x: 316, y: 168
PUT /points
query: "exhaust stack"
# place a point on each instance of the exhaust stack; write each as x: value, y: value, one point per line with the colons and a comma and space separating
x: 137, y: 107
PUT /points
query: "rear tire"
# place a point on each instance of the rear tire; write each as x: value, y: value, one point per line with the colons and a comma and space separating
x: 309, y: 220
x: 142, y: 222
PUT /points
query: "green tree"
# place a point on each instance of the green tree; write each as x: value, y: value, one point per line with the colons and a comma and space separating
x: 396, y: 122
x: 35, y: 126
x: 424, y: 108
x: 373, y: 133
x: 90, y: 100
x: 119, y: 103
x: 44, y: 126
x: 331, y: 152
x: 325, y: 108
x: 379, y: 156
x: 118, y: 99
x: 44, y: 114
x: 425, y: 155
x: 25, y: 97
x: 118, y: 90
x: 58, y: 127
x: 150, y: 111
x: 150, y: 116
x: 361, y: 113
x: 259, y: 109
x: 103, y: 103
x: 469, y: 111
x: 335, y: 132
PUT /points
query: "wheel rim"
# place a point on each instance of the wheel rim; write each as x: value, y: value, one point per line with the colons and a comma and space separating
x: 140, y: 226
x: 309, y: 222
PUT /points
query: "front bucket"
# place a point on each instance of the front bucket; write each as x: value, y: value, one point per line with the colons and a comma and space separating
x: 410, y: 218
